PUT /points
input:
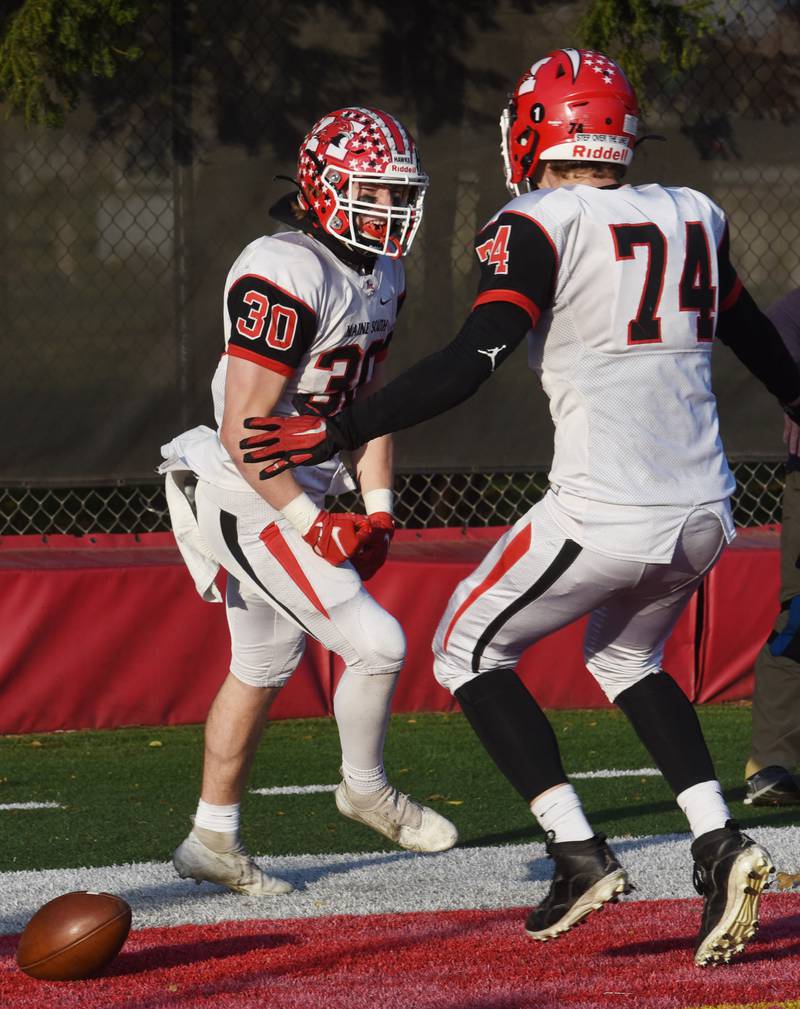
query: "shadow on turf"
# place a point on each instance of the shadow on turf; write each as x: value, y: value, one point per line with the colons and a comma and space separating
x: 771, y: 931
x: 153, y: 897
x: 185, y: 954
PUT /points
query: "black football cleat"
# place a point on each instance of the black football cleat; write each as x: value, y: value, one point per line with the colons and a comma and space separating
x: 772, y: 786
x: 730, y: 872
x: 586, y: 875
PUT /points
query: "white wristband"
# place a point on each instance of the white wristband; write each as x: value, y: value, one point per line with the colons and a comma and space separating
x: 379, y: 500
x: 301, y: 512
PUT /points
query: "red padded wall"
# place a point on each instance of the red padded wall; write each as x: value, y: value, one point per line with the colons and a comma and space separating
x: 108, y: 630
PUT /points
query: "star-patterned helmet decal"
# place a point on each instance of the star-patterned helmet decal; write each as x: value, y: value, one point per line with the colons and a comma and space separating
x: 358, y: 145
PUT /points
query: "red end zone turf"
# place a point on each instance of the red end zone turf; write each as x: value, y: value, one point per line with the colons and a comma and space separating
x: 638, y: 956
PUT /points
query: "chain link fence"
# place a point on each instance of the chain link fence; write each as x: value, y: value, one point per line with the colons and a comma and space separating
x: 117, y: 232
x: 423, y: 500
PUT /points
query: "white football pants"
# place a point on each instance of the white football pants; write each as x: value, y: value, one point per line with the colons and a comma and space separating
x: 279, y: 590
x: 535, y: 581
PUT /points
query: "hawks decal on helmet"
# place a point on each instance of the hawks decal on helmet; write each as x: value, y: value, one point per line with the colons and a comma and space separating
x: 572, y: 105
x: 351, y: 149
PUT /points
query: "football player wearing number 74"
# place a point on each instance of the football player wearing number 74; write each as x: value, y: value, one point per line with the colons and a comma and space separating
x: 619, y: 292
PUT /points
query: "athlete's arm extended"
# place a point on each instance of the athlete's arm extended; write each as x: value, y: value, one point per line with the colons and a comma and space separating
x: 430, y: 387
x: 518, y: 268
x: 440, y: 381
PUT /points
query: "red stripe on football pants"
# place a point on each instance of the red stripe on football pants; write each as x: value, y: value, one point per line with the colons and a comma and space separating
x: 273, y: 540
x: 516, y: 549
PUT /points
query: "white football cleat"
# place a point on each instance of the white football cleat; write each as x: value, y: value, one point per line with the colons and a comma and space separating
x: 398, y: 817
x: 216, y: 857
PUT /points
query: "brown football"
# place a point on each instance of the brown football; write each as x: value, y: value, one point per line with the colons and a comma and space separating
x: 74, y: 936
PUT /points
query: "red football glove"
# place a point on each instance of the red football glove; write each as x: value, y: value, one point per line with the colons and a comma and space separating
x: 371, y: 555
x: 287, y: 442
x: 337, y: 536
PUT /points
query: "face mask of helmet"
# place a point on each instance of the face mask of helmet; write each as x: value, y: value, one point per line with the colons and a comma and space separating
x: 346, y: 158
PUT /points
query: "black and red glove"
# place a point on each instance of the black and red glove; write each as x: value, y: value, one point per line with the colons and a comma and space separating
x: 372, y: 554
x: 337, y: 536
x: 287, y: 442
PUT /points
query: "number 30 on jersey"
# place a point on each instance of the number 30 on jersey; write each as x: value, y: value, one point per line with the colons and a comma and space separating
x: 282, y: 321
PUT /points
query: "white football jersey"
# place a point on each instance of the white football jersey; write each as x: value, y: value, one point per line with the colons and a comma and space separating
x: 292, y: 306
x: 623, y: 285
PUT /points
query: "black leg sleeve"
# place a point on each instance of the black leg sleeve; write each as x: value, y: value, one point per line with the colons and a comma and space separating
x: 667, y: 724
x: 514, y: 731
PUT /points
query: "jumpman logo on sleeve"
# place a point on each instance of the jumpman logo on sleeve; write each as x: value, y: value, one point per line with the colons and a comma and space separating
x: 492, y: 354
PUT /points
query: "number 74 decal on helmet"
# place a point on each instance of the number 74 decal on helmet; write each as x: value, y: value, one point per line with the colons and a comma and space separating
x: 494, y: 251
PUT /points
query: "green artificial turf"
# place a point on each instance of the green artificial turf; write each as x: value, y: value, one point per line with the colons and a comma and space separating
x: 128, y: 793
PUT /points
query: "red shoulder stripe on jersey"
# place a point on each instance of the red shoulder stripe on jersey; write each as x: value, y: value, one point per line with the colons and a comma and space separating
x: 278, y: 287
x: 273, y: 540
x: 732, y: 297
x: 265, y: 362
x: 520, y: 300
x: 516, y: 549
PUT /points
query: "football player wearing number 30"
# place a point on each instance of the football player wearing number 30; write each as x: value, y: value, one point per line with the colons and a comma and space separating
x: 308, y: 317
x: 619, y: 292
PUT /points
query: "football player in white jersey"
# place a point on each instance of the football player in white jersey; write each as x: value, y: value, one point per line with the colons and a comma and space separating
x: 308, y: 316
x: 619, y: 292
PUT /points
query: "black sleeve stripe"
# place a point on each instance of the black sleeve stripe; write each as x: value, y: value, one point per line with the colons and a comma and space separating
x: 542, y: 231
x: 269, y: 322
x: 517, y: 257
x: 276, y: 287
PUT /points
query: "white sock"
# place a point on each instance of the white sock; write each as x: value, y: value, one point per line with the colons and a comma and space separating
x: 559, y: 810
x: 364, y: 781
x: 361, y: 706
x: 221, y: 818
x: 704, y: 807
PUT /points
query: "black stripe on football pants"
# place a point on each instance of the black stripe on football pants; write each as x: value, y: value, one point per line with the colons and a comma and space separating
x: 229, y: 528
x: 563, y: 559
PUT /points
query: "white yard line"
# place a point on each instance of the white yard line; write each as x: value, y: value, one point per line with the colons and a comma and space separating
x: 614, y: 772
x: 293, y: 790
x: 30, y: 805
x: 374, y: 883
x: 640, y: 772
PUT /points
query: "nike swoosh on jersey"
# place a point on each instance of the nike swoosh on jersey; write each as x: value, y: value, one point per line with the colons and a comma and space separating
x: 385, y: 301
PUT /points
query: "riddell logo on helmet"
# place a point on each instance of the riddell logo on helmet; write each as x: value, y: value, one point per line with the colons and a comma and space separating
x: 600, y: 153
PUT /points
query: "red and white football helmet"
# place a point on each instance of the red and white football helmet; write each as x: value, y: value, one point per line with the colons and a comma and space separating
x: 353, y: 146
x: 571, y: 105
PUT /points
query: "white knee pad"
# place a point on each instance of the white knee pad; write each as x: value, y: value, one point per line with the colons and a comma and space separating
x: 266, y: 648
x: 616, y: 667
x: 376, y: 642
